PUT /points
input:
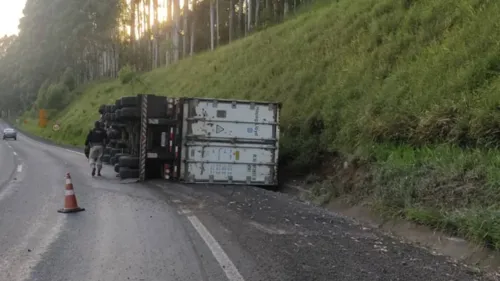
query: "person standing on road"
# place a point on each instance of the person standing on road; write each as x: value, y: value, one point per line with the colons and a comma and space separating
x: 96, y: 140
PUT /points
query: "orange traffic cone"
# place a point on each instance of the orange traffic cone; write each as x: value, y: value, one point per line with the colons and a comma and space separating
x: 70, y: 204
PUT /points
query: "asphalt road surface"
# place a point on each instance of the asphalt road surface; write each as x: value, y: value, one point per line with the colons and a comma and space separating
x: 173, y: 232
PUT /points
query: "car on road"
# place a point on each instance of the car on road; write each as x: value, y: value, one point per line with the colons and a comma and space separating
x: 9, y: 133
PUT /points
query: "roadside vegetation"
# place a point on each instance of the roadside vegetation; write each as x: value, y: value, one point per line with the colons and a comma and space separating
x: 395, y: 102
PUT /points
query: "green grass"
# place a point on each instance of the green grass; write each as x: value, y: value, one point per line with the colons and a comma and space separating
x: 409, y: 87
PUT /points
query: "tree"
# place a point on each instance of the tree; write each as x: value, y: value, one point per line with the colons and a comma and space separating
x: 92, y: 39
x: 231, y: 20
x: 185, y: 14
x: 212, y: 25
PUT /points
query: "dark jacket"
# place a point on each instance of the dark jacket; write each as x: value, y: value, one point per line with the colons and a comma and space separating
x: 96, y: 136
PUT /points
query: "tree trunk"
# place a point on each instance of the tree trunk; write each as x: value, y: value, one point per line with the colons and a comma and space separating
x: 257, y: 7
x: 139, y: 21
x: 148, y: 27
x: 154, y: 61
x: 168, y: 36
x: 132, y: 25
x: 285, y: 9
x: 212, y: 25
x: 176, y: 29
x: 275, y: 10
x: 249, y: 14
x: 230, y: 20
x: 240, y: 18
x: 191, y: 42
x: 217, y: 21
x: 185, y: 29
x: 168, y: 5
x: 117, y: 59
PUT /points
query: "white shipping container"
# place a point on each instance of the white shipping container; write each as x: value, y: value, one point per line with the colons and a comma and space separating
x: 230, y: 142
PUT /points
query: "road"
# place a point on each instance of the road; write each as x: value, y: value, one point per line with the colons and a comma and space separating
x: 169, y: 232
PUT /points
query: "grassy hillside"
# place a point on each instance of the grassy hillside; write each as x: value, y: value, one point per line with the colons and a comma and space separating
x: 405, y: 91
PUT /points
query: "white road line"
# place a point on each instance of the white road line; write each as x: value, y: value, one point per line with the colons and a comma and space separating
x: 76, y: 152
x: 15, y: 153
x: 225, y: 263
x: 19, y: 168
x: 6, y: 191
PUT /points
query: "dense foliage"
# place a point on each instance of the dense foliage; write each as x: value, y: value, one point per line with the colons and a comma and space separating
x: 66, y: 43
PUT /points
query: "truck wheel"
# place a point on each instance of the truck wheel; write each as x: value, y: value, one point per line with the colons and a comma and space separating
x: 102, y: 109
x: 131, y: 101
x: 127, y: 173
x: 114, y: 134
x: 129, y: 113
x: 107, y: 150
x: 112, y: 143
x: 105, y: 158
x: 118, y: 126
x: 121, y: 144
x: 117, y: 168
x: 107, y: 116
x: 129, y: 161
x: 114, y: 160
x: 115, y: 151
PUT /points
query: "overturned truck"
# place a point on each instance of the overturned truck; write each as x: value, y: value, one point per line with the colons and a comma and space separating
x: 193, y: 140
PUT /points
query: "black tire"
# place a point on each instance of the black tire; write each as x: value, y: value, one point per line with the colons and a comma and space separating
x: 105, y: 158
x: 117, y: 168
x: 128, y: 113
x: 117, y: 157
x: 107, y: 150
x: 127, y: 173
x: 115, y: 151
x: 118, y: 126
x: 102, y: 109
x: 129, y: 161
x: 112, y: 143
x: 114, y: 134
x: 121, y: 144
x: 131, y: 101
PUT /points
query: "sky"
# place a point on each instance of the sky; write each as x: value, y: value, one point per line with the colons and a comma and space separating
x: 10, y: 13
